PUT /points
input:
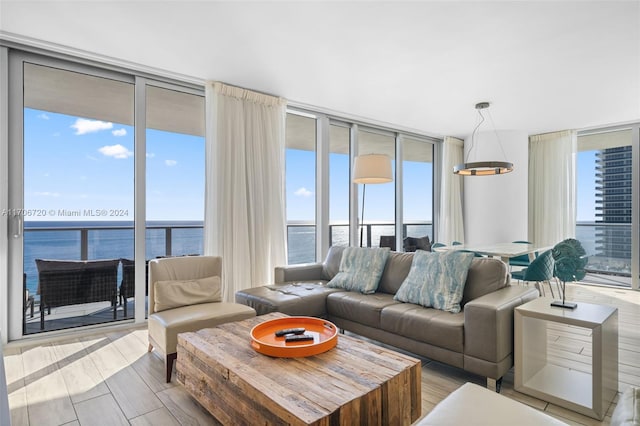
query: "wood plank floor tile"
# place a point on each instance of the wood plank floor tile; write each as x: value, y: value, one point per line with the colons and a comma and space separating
x: 159, y: 417
x: 185, y: 409
x: 79, y: 372
x: 47, y: 396
x: 129, y: 390
x: 100, y: 411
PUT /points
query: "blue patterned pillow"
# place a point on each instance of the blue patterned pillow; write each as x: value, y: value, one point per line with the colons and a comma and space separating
x: 360, y: 269
x: 436, y: 280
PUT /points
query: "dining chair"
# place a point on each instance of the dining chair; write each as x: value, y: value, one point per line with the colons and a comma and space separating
x: 522, y: 260
x: 388, y: 241
x: 540, y: 271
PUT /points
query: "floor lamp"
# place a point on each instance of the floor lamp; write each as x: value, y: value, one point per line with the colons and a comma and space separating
x: 371, y: 168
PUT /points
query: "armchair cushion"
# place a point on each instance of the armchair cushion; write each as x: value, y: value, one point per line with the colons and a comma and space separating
x: 436, y: 280
x: 175, y: 293
x: 360, y: 269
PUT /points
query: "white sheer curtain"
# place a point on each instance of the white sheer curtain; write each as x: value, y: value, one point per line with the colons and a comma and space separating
x: 244, y: 203
x: 450, y: 219
x: 552, y: 187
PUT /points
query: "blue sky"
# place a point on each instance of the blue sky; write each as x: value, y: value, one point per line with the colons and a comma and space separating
x: 586, y: 191
x: 379, y: 203
x: 78, y: 164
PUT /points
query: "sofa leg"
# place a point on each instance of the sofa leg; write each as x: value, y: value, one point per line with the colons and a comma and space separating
x: 150, y: 348
x: 169, y: 364
x: 494, y: 384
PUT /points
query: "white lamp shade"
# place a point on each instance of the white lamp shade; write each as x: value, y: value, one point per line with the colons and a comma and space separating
x: 372, y: 168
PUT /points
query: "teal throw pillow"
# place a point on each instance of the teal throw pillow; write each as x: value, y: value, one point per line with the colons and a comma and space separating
x: 360, y: 269
x: 436, y: 280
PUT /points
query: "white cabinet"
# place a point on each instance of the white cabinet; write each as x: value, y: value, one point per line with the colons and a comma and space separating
x: 585, y: 389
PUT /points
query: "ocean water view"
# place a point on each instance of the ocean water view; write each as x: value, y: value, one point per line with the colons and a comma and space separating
x: 64, y: 240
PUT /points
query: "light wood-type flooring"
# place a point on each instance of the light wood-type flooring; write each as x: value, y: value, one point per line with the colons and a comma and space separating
x: 108, y: 378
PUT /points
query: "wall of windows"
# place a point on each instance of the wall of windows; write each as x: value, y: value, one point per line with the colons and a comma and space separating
x: 320, y: 153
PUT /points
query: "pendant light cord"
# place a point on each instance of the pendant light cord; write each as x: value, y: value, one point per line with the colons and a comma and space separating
x: 473, y: 135
x: 497, y: 137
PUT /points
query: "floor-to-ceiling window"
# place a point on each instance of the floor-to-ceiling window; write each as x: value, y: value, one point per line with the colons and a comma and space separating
x: 300, y: 188
x: 320, y: 155
x: 605, y: 203
x: 175, y: 172
x: 339, y: 149
x: 77, y: 174
x: 73, y: 167
x: 417, y: 188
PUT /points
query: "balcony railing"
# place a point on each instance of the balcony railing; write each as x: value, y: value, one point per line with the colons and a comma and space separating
x: 301, y: 236
x: 608, y: 246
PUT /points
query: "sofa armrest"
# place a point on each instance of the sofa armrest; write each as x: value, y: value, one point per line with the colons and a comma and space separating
x: 295, y: 273
x: 488, y: 322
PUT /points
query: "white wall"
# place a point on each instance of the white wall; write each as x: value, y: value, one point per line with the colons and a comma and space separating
x: 495, y: 207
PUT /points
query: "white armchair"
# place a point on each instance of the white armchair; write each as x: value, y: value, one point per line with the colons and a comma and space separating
x: 184, y: 295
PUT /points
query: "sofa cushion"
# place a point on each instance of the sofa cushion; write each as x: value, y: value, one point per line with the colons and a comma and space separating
x: 433, y: 326
x: 305, y: 298
x: 436, y: 280
x: 331, y: 264
x: 164, y: 326
x: 360, y: 269
x: 395, y: 271
x: 485, y: 276
x: 175, y: 293
x: 357, y: 307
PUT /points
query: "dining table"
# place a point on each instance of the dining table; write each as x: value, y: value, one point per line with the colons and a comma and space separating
x: 504, y: 251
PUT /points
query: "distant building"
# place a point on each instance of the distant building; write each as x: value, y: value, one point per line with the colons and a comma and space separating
x: 613, y: 202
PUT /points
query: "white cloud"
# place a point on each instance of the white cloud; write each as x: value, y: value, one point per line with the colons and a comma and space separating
x: 43, y: 116
x: 303, y: 192
x: 150, y: 155
x: 115, y: 151
x: 119, y: 132
x: 170, y: 163
x: 84, y: 126
x: 47, y: 194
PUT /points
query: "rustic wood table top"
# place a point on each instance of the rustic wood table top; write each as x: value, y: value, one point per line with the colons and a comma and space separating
x: 355, y: 382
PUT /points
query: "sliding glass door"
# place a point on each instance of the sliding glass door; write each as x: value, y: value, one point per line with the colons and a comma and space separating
x: 71, y: 193
x: 606, y: 200
x: 85, y: 182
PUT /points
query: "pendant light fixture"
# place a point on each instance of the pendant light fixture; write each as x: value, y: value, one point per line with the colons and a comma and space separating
x: 482, y: 168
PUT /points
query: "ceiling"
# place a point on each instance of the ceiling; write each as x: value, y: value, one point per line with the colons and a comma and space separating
x: 419, y: 65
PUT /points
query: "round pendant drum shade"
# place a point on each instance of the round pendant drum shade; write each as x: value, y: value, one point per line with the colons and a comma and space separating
x: 482, y: 168
x: 372, y: 168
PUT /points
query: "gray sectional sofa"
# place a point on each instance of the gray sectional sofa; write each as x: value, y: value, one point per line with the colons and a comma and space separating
x: 479, y: 339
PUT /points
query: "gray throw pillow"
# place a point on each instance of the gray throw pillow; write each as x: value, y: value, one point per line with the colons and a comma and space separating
x: 436, y: 280
x: 360, y: 269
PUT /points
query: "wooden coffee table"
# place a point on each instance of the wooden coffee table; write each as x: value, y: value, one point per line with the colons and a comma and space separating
x: 354, y: 383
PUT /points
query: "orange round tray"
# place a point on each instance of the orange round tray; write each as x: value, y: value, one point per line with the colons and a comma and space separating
x: 264, y: 340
